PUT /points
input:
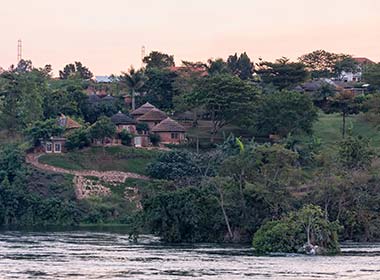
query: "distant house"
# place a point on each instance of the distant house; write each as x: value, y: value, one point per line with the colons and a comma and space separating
x: 56, y: 144
x: 103, y: 79
x: 357, y: 75
x: 169, y: 131
x: 142, y: 110
x: 124, y: 122
x: 152, y: 118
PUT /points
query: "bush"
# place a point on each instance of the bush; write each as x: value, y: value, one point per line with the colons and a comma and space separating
x: 277, y: 236
x: 154, y: 139
x: 79, y: 139
x: 288, y: 235
x: 173, y: 165
x: 126, y: 138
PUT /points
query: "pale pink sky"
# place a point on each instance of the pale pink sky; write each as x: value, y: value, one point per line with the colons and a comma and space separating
x: 107, y: 35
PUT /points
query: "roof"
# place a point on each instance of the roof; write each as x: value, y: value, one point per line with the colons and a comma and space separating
x: 93, y: 98
x: 68, y: 122
x: 121, y: 118
x: 363, y: 60
x: 153, y: 115
x: 102, y: 79
x: 143, y: 109
x: 108, y: 98
x: 168, y: 125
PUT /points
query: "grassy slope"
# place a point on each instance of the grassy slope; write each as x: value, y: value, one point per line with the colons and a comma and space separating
x: 329, y: 129
x: 96, y: 158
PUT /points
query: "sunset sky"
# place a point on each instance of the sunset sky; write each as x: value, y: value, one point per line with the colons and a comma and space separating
x: 107, y: 36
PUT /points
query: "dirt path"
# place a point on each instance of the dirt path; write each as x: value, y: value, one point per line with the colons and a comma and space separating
x: 80, y: 182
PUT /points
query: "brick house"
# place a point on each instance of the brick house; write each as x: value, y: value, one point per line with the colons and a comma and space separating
x: 169, y: 131
x: 152, y: 118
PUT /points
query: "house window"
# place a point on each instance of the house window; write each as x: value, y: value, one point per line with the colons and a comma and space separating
x: 57, y: 147
x: 174, y: 135
x: 48, y: 147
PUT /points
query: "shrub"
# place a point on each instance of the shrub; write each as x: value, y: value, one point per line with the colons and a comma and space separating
x: 79, y: 139
x: 126, y: 137
x: 154, y: 139
x: 289, y: 234
x: 173, y: 165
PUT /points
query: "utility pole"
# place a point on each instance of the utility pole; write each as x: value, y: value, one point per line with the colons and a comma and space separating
x: 19, y: 51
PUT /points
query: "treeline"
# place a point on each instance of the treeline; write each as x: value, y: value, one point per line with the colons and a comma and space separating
x: 228, y: 194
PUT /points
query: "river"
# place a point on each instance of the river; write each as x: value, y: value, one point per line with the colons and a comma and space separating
x: 99, y: 255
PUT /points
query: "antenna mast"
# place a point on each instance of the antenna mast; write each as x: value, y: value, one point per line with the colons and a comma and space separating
x: 19, y: 50
x: 142, y: 56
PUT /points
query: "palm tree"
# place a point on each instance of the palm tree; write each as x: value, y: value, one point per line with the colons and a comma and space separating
x: 134, y: 80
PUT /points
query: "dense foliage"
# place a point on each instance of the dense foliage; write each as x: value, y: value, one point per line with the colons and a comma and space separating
x: 292, y: 232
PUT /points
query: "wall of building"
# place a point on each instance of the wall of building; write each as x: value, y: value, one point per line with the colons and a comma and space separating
x: 167, y: 137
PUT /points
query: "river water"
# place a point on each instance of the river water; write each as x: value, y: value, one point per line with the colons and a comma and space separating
x: 95, y: 255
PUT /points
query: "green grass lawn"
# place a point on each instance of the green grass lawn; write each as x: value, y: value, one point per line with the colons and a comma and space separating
x: 118, y: 158
x: 329, y: 129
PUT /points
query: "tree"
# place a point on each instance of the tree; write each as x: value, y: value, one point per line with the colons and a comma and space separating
x: 78, y: 139
x: 76, y: 70
x: 159, y: 88
x: 355, y: 152
x: 241, y: 66
x: 134, y: 81
x: 158, y: 60
x: 217, y: 66
x: 346, y: 103
x: 226, y: 98
x: 43, y: 130
x: 371, y: 75
x: 284, y: 112
x: 173, y: 165
x: 345, y: 64
x: 21, y: 94
x: 282, y: 74
x: 65, y: 97
x: 290, y: 233
x: 321, y: 63
x: 103, y: 128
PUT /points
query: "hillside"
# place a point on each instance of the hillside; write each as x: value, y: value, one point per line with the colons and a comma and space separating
x: 118, y: 158
x: 329, y: 129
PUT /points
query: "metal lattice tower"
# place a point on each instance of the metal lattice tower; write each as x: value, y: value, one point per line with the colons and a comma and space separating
x: 142, y: 56
x: 19, y: 50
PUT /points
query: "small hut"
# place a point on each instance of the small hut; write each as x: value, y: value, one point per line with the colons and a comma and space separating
x: 170, y: 131
x: 124, y: 122
x: 153, y: 117
x: 142, y: 110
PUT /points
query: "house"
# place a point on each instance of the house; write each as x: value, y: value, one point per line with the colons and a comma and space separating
x: 357, y: 75
x: 169, y: 131
x: 68, y: 123
x: 124, y: 122
x: 56, y: 144
x: 103, y: 79
x: 142, y: 110
x: 152, y: 118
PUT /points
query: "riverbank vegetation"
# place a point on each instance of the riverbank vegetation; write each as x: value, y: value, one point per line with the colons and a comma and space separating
x: 265, y: 159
